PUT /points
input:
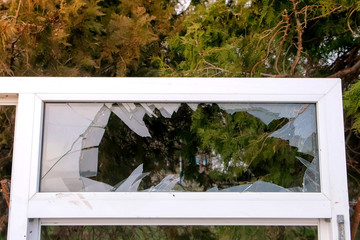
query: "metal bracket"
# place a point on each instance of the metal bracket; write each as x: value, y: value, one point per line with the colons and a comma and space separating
x: 341, y: 228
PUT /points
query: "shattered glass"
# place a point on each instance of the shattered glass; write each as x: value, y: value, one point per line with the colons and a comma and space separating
x: 104, y: 147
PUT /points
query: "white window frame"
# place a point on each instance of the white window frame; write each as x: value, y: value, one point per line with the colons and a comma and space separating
x: 30, y: 209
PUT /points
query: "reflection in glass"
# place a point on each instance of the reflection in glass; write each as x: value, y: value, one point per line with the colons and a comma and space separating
x: 179, y: 232
x: 157, y: 147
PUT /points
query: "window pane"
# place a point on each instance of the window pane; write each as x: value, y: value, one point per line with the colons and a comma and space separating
x: 157, y: 147
x: 179, y: 232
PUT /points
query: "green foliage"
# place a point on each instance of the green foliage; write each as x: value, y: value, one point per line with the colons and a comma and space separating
x: 352, y: 130
x: 103, y: 232
x: 208, y: 45
x: 179, y: 232
x: 284, y: 38
x: 352, y: 105
x: 81, y: 37
x: 266, y: 232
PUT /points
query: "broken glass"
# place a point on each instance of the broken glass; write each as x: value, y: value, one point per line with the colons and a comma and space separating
x: 132, y: 183
x: 300, y: 130
x: 225, y: 147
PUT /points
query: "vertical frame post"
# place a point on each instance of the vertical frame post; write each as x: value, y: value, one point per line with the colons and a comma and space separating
x: 19, y: 199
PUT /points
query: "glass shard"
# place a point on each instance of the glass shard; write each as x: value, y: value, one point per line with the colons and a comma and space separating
x: 300, y: 131
x: 95, y: 186
x: 89, y: 162
x: 266, y: 112
x: 239, y: 188
x: 311, y: 180
x: 166, y: 184
x: 167, y: 109
x: 132, y: 182
x: 133, y: 119
x: 261, y: 186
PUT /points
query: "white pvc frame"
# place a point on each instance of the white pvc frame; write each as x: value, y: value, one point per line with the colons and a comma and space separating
x: 30, y: 209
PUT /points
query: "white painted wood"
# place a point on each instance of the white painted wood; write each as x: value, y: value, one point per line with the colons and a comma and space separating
x: 36, y: 145
x: 34, y: 225
x: 168, y: 86
x: 183, y: 97
x: 174, y: 208
x: 325, y: 230
x: 34, y: 229
x: 179, y: 205
x: 336, y: 181
x: 182, y: 221
x: 323, y: 143
x: 19, y: 198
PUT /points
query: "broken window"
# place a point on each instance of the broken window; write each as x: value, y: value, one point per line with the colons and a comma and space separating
x: 157, y: 147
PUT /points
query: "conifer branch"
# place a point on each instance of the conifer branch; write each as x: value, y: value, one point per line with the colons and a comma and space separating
x: 326, y: 14
x: 286, y: 17
x: 299, y: 30
x: 18, y: 11
x: 268, y: 46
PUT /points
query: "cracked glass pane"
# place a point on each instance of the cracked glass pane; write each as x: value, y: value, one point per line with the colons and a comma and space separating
x: 162, y: 147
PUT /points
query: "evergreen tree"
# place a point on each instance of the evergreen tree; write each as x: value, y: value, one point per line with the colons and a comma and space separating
x: 82, y: 37
x: 288, y: 38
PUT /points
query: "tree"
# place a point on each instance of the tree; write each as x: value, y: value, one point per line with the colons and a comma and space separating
x: 287, y: 38
x: 82, y: 37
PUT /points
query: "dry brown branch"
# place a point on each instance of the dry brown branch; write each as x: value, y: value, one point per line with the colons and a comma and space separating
x: 323, y: 15
x: 347, y: 58
x: 279, y: 76
x: 287, y: 19
x: 3, y: 220
x: 299, y: 30
x: 12, y: 51
x: 268, y: 50
x: 356, y: 220
x: 18, y: 11
x: 351, y: 164
x: 212, y: 66
x: 348, y: 23
x: 257, y: 64
x: 354, y: 178
x: 352, y: 150
x: 5, y: 191
x: 284, y: 59
x: 350, y: 70
x: 268, y: 32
